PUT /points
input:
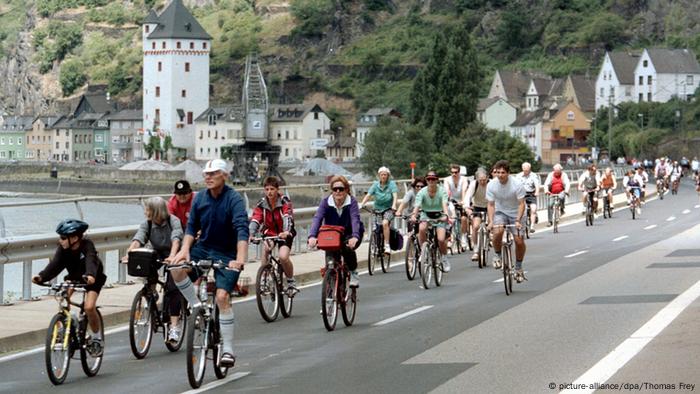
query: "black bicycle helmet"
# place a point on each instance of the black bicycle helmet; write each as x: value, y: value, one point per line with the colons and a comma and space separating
x: 71, y: 227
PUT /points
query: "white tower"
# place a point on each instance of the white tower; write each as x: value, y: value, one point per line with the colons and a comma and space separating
x: 175, y: 74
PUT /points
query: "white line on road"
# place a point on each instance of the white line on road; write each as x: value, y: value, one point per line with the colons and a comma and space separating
x: 686, y: 211
x: 218, y: 383
x: 697, y: 206
x: 650, y: 227
x: 671, y: 218
x: 401, y: 316
x: 623, y: 353
x: 620, y: 238
x: 575, y: 254
x: 501, y: 280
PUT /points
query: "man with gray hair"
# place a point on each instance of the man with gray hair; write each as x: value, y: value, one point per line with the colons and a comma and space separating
x: 556, y: 184
x: 531, y: 183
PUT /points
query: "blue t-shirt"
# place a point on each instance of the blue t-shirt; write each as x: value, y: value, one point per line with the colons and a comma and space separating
x: 383, y: 195
x: 223, y: 221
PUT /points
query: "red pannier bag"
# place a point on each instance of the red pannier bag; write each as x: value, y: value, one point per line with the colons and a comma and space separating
x: 330, y: 237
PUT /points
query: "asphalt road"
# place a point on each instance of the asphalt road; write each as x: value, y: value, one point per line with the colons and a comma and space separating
x: 589, y: 290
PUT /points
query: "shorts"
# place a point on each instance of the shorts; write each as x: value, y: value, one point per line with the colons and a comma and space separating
x: 388, y: 215
x: 225, y: 279
x: 530, y: 199
x: 500, y: 218
x: 100, y: 281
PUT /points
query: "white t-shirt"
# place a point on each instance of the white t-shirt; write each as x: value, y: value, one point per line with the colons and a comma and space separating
x: 505, y: 196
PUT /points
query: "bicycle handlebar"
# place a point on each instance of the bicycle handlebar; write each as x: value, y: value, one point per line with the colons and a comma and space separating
x: 205, y: 264
x: 64, y: 285
x: 275, y: 238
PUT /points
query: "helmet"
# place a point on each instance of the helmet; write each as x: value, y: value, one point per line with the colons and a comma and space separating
x: 71, y: 227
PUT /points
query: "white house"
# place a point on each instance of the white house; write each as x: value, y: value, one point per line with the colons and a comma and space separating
x: 176, y: 53
x: 218, y: 127
x: 496, y: 113
x: 662, y: 74
x: 367, y: 122
x: 298, y: 130
x: 615, y: 83
x: 126, y: 132
x: 528, y: 128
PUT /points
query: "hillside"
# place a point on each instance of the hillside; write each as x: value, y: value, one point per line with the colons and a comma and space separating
x: 354, y: 53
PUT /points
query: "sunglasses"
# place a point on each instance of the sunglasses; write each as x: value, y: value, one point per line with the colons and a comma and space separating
x: 454, y: 172
x: 419, y: 186
x: 431, y: 179
x: 338, y: 189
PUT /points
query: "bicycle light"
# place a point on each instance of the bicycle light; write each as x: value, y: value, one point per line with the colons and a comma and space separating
x: 203, y: 295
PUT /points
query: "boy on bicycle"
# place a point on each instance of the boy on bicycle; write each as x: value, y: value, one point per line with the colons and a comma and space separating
x: 78, y: 256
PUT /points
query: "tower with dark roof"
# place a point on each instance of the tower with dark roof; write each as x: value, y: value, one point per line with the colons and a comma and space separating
x: 176, y: 52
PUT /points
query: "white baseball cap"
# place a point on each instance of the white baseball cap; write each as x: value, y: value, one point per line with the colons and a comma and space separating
x: 215, y: 165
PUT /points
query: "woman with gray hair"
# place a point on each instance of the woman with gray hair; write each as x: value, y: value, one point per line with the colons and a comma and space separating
x: 164, y: 232
x: 476, y: 204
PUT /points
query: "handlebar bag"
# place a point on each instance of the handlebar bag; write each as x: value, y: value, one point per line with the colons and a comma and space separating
x: 143, y: 262
x: 395, y: 240
x: 330, y: 237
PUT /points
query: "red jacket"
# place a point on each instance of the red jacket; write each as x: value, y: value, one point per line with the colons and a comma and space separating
x: 182, y: 211
x: 273, y: 220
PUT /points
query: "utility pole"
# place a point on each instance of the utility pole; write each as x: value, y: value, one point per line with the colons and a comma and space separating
x: 610, y: 119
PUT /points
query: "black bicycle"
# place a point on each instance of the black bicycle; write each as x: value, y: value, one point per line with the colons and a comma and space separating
x: 456, y: 245
x: 271, y: 292
x: 203, y: 328
x: 431, y: 258
x: 483, y: 239
x: 412, y: 249
x: 607, y: 205
x: 376, y: 244
x: 590, y: 212
x: 68, y: 333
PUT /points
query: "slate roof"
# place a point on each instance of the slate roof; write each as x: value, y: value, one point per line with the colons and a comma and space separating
x: 48, y: 120
x: 674, y: 61
x: 624, y: 64
x: 584, y: 89
x: 127, y: 114
x: 342, y: 142
x: 528, y: 117
x: 382, y: 111
x: 17, y: 123
x: 176, y: 21
x: 152, y: 17
x: 227, y: 113
x: 486, y: 102
x: 291, y: 112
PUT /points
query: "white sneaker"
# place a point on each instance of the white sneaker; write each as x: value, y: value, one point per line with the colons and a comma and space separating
x: 497, y: 262
x: 174, y: 335
x: 463, y: 240
x: 354, y: 279
x: 387, y: 249
x: 445, y: 264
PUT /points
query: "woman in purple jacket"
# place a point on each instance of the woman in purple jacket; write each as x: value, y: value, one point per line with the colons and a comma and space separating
x: 341, y: 209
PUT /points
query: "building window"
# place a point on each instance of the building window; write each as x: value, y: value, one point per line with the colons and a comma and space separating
x: 57, y: 135
x: 184, y: 93
x: 189, y: 118
x: 649, y: 80
x: 98, y: 137
x: 645, y: 63
x: 153, y: 45
x: 318, y: 133
x: 208, y: 133
x: 641, y: 80
x: 157, y: 91
x: 204, y: 45
x: 187, y: 67
x: 19, y: 140
x: 570, y: 115
x: 602, y: 92
x: 689, y: 80
x: 612, y: 91
x: 279, y: 135
x: 316, y: 115
x: 286, y: 134
x: 216, y: 134
x: 286, y: 152
x: 148, y: 28
x: 67, y: 144
x: 212, y: 120
x: 157, y: 118
x: 191, y: 45
x: 2, y: 140
x: 179, y: 45
x: 2, y: 154
x: 295, y: 134
x: 163, y: 45
x: 67, y: 133
x: 641, y: 97
x: 160, y: 66
x: 649, y: 97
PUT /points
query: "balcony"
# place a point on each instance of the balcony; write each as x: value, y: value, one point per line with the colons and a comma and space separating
x: 568, y: 144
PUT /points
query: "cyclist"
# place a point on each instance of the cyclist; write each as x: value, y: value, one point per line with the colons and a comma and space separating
x: 475, y: 201
x: 180, y: 202
x: 431, y: 202
x: 219, y: 215
x: 556, y: 184
x: 165, y: 234
x: 275, y: 215
x: 633, y: 184
x: 340, y: 209
x: 409, y: 199
x: 676, y: 174
x: 456, y: 187
x: 608, y: 183
x: 588, y: 184
x: 77, y: 255
x: 663, y: 171
x: 385, y: 195
x: 645, y: 179
x: 531, y: 183
x: 506, y: 206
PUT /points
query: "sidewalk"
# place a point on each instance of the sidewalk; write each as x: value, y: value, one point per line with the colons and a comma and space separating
x: 24, y: 323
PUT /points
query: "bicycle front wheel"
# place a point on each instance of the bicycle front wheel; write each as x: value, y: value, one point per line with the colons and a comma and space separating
x: 349, y: 308
x: 426, y: 266
x: 219, y: 370
x: 91, y: 363
x: 57, y: 349
x: 483, y: 248
x: 267, y: 293
x: 329, y: 299
x: 374, y: 253
x: 385, y: 260
x: 197, y: 346
x: 555, y: 219
x: 286, y: 297
x: 140, y: 325
x: 411, y: 257
x: 507, y: 269
x: 437, y: 267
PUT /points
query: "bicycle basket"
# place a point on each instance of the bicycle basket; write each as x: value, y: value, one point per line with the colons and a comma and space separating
x: 143, y: 263
x: 330, y: 237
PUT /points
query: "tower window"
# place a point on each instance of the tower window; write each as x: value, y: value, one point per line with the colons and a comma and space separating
x: 204, y: 45
x: 148, y: 28
x: 179, y: 45
x: 191, y: 45
x: 160, y: 66
x: 153, y: 45
x: 163, y: 45
x: 184, y: 93
x: 187, y: 67
x: 157, y: 91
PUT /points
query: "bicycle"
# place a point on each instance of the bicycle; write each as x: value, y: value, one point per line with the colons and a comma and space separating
x: 590, y: 213
x: 270, y: 292
x: 507, y: 262
x: 607, y: 205
x: 556, y: 213
x: 412, y: 250
x: 431, y: 259
x: 483, y: 240
x: 336, y: 292
x: 660, y: 187
x: 203, y: 328
x: 674, y: 185
x: 457, y: 230
x: 376, y: 244
x: 63, y: 338
x: 146, y: 318
x: 635, y: 204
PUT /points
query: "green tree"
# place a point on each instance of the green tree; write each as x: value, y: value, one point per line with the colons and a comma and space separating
x: 72, y: 76
x: 515, y: 33
x: 312, y: 16
x: 153, y: 147
x: 605, y: 28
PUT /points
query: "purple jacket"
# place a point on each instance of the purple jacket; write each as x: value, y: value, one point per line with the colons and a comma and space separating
x: 349, y: 218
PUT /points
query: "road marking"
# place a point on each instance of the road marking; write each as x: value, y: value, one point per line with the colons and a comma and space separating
x: 686, y: 211
x: 401, y: 316
x: 501, y: 280
x: 697, y: 206
x: 620, y: 238
x: 623, y: 353
x: 671, y: 218
x: 218, y: 383
x: 649, y: 227
x: 575, y: 254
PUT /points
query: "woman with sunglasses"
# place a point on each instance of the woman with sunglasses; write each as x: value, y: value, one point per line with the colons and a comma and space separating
x: 409, y: 199
x: 78, y: 256
x: 431, y: 202
x: 341, y: 209
x: 385, y: 194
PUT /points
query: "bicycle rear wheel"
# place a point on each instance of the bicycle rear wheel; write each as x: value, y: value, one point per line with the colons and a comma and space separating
x: 197, y: 346
x: 182, y: 318
x: 329, y: 299
x: 286, y: 298
x: 426, y: 265
x: 91, y: 364
x: 411, y: 259
x: 374, y: 253
x: 266, y: 293
x: 349, y: 306
x: 57, y: 349
x: 141, y: 324
x: 437, y: 267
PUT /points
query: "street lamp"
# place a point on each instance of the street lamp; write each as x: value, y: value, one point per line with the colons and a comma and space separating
x: 595, y: 142
x: 641, y: 121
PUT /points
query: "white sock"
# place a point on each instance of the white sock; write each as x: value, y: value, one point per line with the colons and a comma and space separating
x: 187, y: 289
x: 226, y: 329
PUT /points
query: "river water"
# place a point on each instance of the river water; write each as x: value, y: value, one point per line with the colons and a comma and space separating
x: 42, y: 219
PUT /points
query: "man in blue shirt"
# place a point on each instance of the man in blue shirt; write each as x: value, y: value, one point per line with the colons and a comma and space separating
x: 219, y: 213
